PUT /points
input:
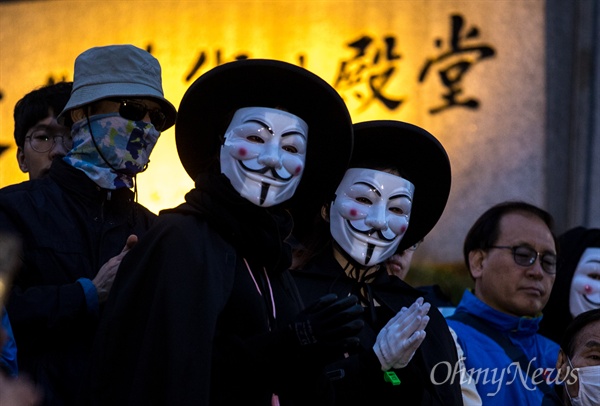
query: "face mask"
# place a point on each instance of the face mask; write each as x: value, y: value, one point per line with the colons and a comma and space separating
x: 585, y: 285
x: 589, y: 386
x: 263, y: 154
x: 370, y: 214
x: 119, y: 150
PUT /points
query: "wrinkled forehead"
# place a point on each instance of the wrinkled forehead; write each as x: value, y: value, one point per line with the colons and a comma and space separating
x: 588, y: 337
x: 271, y: 118
x: 383, y: 181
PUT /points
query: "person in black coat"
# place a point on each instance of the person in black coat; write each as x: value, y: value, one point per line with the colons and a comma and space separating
x: 78, y: 221
x: 390, y: 198
x: 577, y: 285
x: 204, y: 310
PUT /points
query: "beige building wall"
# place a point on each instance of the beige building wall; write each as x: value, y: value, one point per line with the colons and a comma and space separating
x: 470, y: 72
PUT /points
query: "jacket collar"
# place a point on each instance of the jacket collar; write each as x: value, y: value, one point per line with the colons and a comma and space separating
x: 78, y: 184
x: 499, y: 320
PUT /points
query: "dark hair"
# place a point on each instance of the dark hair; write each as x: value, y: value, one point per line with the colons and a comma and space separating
x: 574, y: 328
x: 37, y: 105
x: 486, y: 229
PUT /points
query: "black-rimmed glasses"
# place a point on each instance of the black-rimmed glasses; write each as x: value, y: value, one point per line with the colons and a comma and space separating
x: 44, y: 142
x: 526, y: 256
x: 136, y: 111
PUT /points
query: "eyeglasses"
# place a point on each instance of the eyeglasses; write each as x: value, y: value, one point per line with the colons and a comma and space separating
x: 526, y: 256
x: 44, y: 142
x: 136, y: 111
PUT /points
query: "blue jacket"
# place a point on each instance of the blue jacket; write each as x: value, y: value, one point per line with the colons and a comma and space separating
x: 498, y: 382
x: 8, y: 352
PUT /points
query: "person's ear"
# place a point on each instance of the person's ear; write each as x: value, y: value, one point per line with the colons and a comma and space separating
x: 561, y: 365
x: 476, y: 262
x: 21, y: 160
x: 77, y: 114
x: 325, y: 212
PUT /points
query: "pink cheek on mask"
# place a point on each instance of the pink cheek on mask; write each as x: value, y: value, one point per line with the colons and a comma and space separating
x: 588, y: 289
x: 242, y: 152
x: 353, y: 212
x: 298, y: 170
x: 403, y: 229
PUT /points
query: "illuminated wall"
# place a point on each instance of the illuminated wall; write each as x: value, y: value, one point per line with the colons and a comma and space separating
x: 471, y: 72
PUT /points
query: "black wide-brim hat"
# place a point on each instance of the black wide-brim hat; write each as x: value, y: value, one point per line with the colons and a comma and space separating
x: 418, y: 155
x: 208, y: 105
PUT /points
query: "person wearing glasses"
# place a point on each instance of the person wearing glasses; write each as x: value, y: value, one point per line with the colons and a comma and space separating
x: 78, y: 221
x: 511, y: 254
x: 392, y: 195
x: 39, y: 137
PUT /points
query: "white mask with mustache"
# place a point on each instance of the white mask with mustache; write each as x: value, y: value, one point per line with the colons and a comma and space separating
x: 370, y: 214
x: 264, y: 153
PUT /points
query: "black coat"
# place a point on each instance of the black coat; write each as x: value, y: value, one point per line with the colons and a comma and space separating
x: 69, y: 228
x: 188, y: 323
x: 358, y: 379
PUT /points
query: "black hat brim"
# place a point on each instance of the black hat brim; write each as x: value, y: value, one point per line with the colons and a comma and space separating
x: 208, y: 105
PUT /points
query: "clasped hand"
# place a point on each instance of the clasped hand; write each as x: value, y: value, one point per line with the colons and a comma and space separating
x: 398, y: 341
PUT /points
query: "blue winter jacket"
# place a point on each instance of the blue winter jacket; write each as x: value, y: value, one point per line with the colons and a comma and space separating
x: 498, y: 380
x: 8, y: 352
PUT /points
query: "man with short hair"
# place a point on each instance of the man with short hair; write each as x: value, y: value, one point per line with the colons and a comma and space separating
x: 39, y: 137
x: 510, y: 252
x: 77, y: 222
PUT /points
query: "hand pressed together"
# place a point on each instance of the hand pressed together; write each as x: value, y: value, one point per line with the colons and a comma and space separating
x: 398, y: 341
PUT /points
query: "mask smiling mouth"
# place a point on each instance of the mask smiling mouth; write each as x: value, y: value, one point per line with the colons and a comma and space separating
x: 259, y: 174
x: 372, y: 235
x: 587, y: 299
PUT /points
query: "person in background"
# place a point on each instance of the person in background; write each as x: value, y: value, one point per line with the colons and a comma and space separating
x: 78, y: 221
x: 579, y: 360
x: 38, y: 135
x: 39, y: 139
x: 392, y: 195
x: 511, y: 253
x: 203, y: 310
x: 577, y: 286
x: 399, y: 265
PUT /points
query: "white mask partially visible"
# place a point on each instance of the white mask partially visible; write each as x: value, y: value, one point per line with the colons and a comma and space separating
x: 589, y: 386
x: 585, y: 285
x: 264, y: 154
x: 370, y: 214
